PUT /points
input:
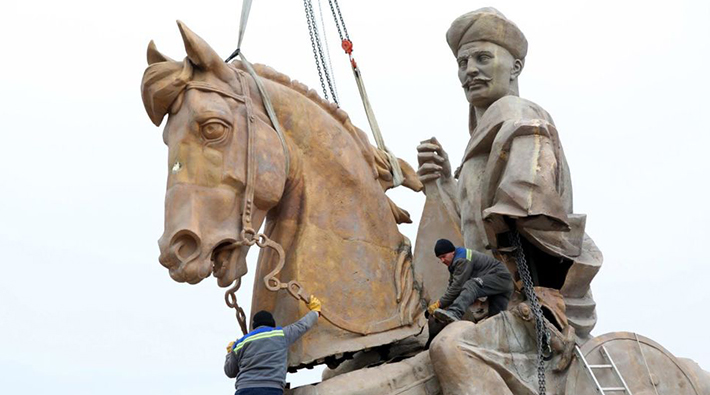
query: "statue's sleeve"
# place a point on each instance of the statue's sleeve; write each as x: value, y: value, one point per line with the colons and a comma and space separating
x: 524, y: 179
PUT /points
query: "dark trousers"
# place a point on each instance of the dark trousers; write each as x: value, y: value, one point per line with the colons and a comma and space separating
x: 497, y: 287
x: 259, y: 391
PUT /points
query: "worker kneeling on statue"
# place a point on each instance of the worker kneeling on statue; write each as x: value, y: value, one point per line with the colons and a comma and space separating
x: 472, y: 275
x: 258, y: 360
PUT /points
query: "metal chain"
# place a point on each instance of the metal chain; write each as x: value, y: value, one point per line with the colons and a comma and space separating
x: 315, y: 51
x: 337, y: 24
x: 230, y: 297
x: 326, y: 70
x: 327, y: 52
x: 318, y: 50
x: 543, y: 335
x: 341, y: 19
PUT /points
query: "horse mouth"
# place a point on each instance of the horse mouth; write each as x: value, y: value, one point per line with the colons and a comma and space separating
x: 229, y: 262
x: 190, y: 258
x: 221, y: 255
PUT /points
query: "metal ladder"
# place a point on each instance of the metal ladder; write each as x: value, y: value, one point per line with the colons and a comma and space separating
x: 610, y: 365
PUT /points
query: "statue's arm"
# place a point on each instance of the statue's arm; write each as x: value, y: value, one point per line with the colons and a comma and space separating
x: 435, y: 173
x: 529, y: 181
x: 447, y: 191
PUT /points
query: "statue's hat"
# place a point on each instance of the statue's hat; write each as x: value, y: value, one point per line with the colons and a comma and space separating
x: 487, y: 24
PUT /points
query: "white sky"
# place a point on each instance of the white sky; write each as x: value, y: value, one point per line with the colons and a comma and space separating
x: 86, y: 308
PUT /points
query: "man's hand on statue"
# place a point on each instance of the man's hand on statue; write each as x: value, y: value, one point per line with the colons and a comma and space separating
x: 230, y: 347
x: 314, y: 304
x: 433, y: 161
x: 433, y: 307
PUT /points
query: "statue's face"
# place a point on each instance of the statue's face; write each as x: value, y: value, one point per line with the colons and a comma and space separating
x: 486, y: 72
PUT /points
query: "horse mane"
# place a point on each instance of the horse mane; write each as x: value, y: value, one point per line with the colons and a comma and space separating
x: 336, y: 112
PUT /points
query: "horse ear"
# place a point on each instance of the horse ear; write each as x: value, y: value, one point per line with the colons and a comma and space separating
x: 154, y: 56
x: 201, y: 54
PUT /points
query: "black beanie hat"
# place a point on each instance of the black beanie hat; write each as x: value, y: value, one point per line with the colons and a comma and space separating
x: 263, y: 318
x: 443, y: 246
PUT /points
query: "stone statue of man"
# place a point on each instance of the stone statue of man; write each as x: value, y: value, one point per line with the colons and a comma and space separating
x: 514, y: 175
x: 513, y: 179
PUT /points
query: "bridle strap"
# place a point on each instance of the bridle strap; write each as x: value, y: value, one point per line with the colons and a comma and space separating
x: 248, y: 233
x: 209, y: 88
x: 265, y: 98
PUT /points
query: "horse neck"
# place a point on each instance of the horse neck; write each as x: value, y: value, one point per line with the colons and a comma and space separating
x: 332, y: 184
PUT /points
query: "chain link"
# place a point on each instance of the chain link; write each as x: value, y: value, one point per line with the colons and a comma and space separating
x: 543, y: 335
x: 336, y: 19
x: 315, y: 51
x: 318, y: 50
x: 334, y: 87
x: 230, y: 297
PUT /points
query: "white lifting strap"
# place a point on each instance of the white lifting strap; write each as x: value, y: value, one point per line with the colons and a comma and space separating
x: 246, y: 7
x: 269, y: 108
x: 397, y: 177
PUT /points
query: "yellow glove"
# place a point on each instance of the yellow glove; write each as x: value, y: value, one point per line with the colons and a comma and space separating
x: 314, y: 304
x: 433, y: 307
x: 230, y: 347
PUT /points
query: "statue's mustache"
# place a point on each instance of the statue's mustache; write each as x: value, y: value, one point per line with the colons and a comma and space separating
x: 473, y: 81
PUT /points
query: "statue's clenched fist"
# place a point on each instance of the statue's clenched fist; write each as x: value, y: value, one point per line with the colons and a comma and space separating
x: 433, y: 161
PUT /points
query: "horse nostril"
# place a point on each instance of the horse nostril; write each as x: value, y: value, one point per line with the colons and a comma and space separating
x: 185, y: 247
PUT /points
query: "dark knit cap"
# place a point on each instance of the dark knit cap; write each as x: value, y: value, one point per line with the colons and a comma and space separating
x: 443, y: 246
x: 263, y: 318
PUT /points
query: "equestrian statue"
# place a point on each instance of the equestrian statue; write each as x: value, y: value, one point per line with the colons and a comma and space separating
x: 249, y: 147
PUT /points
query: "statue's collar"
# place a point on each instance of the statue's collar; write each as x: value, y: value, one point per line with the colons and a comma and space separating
x: 485, y: 129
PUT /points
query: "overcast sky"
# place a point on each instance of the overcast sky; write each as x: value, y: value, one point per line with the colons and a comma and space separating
x: 86, y: 308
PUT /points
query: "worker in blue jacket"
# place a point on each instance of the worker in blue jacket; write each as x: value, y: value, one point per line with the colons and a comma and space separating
x: 472, y: 275
x: 258, y: 360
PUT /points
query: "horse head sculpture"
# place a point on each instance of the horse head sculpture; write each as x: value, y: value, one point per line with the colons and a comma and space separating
x: 207, y: 159
x: 320, y: 187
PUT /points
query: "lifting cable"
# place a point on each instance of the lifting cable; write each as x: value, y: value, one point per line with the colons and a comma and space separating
x: 347, y: 45
x: 323, y: 70
x: 321, y: 65
x: 327, y: 51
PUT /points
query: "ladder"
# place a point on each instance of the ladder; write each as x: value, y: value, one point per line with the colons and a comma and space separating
x: 611, y: 365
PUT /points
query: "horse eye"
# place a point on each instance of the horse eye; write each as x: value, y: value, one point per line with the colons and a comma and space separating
x: 214, y: 130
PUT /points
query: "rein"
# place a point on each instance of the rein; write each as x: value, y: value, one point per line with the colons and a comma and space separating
x: 249, y: 236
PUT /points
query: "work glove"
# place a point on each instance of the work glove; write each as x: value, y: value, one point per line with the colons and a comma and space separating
x: 314, y: 304
x: 433, y: 307
x: 230, y: 347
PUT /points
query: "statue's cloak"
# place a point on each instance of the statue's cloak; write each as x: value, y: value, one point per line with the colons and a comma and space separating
x: 514, y: 166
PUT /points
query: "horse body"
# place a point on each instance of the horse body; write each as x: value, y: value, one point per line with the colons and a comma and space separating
x: 329, y: 213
